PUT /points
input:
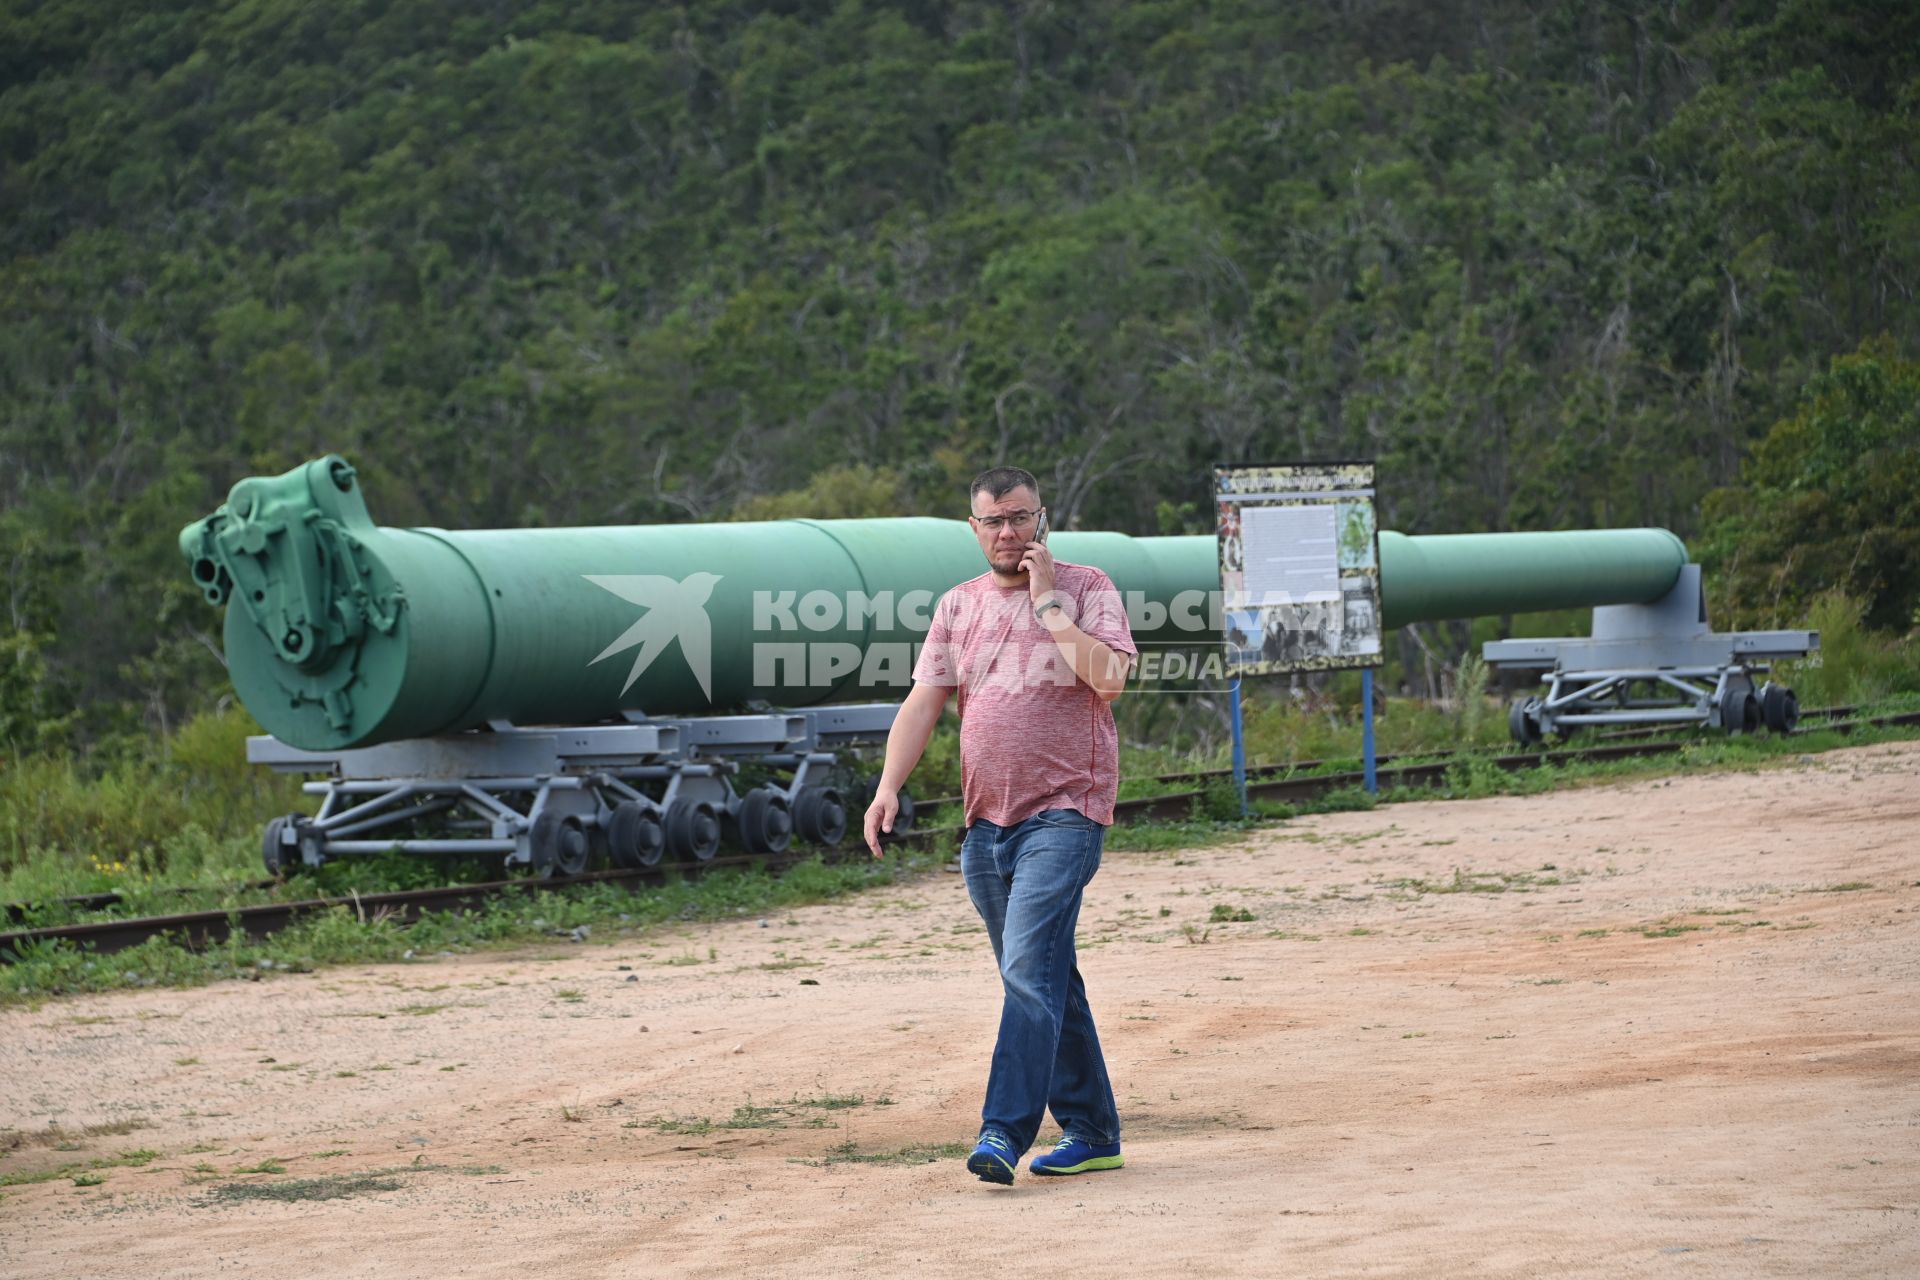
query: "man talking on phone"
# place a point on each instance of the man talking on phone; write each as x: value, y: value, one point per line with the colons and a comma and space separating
x: 1037, y: 648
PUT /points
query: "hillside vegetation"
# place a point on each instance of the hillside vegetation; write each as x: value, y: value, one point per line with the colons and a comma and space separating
x: 1553, y: 265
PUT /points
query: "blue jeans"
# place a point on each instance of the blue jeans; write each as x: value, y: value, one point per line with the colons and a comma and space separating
x: 1026, y: 881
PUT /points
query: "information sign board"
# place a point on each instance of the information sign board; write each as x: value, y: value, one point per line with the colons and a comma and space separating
x: 1299, y: 567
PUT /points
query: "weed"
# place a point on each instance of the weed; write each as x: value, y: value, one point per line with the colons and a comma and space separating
x: 848, y: 1152
x: 88, y: 1179
x: 1854, y: 664
x: 1157, y: 837
x: 65, y: 1139
x: 693, y: 1126
x: 1463, y: 881
x: 838, y: 1101
x: 330, y: 1187
x: 269, y: 1165
x: 1224, y: 914
x: 748, y: 1116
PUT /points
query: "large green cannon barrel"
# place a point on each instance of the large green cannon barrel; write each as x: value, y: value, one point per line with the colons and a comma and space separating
x: 341, y: 633
x: 1473, y: 575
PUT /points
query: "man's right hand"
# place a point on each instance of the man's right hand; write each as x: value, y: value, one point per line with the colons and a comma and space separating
x: 880, y: 815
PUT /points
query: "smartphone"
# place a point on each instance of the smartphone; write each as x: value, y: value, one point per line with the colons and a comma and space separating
x: 1040, y: 529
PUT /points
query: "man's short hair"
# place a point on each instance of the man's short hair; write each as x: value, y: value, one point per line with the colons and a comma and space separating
x: 998, y: 482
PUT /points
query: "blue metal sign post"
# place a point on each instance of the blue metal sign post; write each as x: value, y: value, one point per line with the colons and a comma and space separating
x: 1366, y: 727
x: 1240, y: 750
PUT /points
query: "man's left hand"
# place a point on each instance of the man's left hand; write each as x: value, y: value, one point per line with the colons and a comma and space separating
x: 1038, y: 564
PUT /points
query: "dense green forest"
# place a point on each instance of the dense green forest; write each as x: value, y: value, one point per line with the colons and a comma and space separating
x: 1552, y: 264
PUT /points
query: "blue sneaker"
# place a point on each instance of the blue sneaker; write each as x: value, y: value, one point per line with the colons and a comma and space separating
x: 993, y: 1158
x: 1077, y: 1155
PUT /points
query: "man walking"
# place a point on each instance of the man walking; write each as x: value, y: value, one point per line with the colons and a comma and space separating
x: 1038, y: 648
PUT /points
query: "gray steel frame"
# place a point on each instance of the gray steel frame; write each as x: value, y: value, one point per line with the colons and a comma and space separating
x: 499, y: 781
x: 1682, y: 671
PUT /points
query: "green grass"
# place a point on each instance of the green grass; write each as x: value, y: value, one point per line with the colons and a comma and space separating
x: 330, y: 1187
x: 1192, y: 833
x: 1853, y: 665
x: 614, y: 912
x: 1667, y: 930
x: 334, y: 1186
x: 186, y: 810
x: 837, y: 1101
x: 340, y: 936
x: 692, y: 1126
x: 62, y: 1139
x: 793, y: 1113
x: 748, y: 1116
x: 85, y: 1174
x: 849, y: 1152
x: 1482, y: 882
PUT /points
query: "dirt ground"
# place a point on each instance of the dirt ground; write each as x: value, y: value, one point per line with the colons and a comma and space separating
x: 1681, y: 1038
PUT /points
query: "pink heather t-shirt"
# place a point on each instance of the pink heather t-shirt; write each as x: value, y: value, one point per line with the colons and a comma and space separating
x: 1033, y: 735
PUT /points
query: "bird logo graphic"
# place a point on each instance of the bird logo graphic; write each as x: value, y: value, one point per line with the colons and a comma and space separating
x: 675, y: 610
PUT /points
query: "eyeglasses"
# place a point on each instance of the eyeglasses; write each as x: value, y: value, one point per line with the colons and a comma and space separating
x: 1020, y: 520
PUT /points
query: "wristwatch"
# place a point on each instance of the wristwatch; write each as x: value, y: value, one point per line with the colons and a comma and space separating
x: 1051, y: 602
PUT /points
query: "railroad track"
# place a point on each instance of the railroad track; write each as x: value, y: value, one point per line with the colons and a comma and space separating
x: 207, y: 928
x: 1203, y: 776
x: 19, y: 912
x: 210, y: 928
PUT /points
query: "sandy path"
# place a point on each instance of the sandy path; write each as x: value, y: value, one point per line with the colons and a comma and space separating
x: 1369, y: 1078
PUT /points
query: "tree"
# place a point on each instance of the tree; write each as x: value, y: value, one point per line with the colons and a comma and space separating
x: 1829, y: 499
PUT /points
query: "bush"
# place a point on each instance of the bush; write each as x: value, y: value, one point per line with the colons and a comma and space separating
x: 1853, y: 664
x: 188, y: 807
